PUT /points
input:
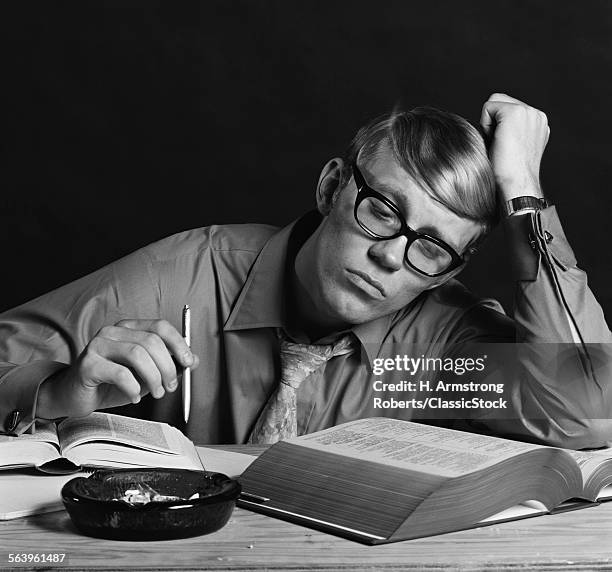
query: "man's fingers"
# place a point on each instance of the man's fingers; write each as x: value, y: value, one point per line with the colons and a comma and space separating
x: 486, y: 120
x: 489, y: 114
x: 153, y: 344
x: 494, y: 110
x: 168, y: 333
x: 134, y: 357
x: 504, y: 97
x: 107, y: 372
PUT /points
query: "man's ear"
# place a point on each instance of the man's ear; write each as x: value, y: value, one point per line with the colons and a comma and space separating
x: 330, y: 184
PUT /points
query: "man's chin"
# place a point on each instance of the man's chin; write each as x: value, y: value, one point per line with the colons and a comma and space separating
x: 355, y: 312
x: 351, y: 310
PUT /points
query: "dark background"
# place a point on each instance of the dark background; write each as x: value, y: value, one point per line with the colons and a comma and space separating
x: 129, y: 121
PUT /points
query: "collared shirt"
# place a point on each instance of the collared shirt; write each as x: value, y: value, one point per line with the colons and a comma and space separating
x: 234, y: 279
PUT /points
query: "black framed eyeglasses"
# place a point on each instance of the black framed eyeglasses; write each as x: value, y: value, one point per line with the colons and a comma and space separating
x: 381, y: 219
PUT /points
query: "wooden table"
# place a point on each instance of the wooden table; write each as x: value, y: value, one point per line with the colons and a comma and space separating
x: 578, y: 540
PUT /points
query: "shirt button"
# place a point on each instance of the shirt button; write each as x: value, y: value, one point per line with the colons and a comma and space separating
x: 12, y: 420
x: 547, y: 236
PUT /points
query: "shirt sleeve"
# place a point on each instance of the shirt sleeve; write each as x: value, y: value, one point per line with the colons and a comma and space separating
x: 43, y: 336
x: 554, y: 363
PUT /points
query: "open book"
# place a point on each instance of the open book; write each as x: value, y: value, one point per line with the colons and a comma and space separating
x: 381, y: 480
x: 99, y: 440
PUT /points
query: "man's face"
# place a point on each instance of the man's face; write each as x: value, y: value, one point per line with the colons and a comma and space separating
x: 352, y: 278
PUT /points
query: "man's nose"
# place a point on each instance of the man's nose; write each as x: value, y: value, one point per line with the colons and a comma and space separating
x: 389, y: 253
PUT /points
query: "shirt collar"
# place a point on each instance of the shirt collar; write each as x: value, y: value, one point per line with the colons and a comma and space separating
x: 262, y: 301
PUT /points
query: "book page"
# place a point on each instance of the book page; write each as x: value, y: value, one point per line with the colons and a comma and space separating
x: 415, y: 446
x: 30, y: 449
x: 109, y: 455
x: 147, y: 435
x: 522, y: 510
x: 605, y: 493
x: 229, y: 463
x: 43, y: 431
x: 590, y: 462
x: 23, y: 493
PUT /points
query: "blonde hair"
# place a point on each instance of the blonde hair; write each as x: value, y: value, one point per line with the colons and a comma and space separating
x: 441, y: 151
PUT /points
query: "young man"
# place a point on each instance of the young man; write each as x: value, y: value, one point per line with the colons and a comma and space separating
x: 367, y: 277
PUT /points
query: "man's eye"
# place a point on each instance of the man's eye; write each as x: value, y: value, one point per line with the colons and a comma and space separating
x: 382, y: 212
x: 429, y: 249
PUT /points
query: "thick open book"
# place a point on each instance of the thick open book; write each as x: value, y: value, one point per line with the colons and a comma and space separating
x: 99, y: 440
x: 381, y: 480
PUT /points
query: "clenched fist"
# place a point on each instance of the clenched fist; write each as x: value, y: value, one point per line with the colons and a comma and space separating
x: 518, y: 135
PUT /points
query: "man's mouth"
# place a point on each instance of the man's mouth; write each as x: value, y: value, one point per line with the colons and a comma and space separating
x: 366, y: 283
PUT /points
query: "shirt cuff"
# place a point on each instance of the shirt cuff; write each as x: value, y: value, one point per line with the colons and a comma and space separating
x: 536, y: 236
x: 546, y: 226
x: 19, y: 389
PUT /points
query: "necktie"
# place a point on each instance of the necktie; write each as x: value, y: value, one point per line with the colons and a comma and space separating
x: 278, y: 419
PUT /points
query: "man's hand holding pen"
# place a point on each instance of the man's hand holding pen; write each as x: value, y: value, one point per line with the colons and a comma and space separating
x: 119, y: 365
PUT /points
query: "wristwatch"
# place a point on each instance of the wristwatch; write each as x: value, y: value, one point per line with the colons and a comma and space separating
x: 520, y: 204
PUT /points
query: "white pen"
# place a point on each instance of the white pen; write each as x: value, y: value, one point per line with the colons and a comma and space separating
x: 187, y: 370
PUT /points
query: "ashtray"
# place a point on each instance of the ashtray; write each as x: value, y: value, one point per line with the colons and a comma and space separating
x: 150, y: 504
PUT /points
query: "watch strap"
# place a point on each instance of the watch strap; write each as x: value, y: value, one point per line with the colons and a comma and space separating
x: 518, y: 204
